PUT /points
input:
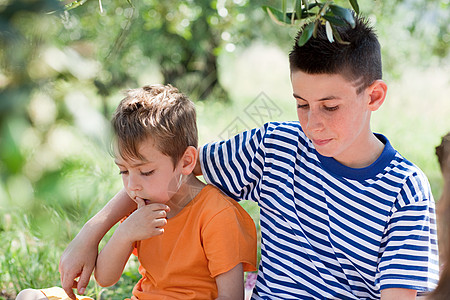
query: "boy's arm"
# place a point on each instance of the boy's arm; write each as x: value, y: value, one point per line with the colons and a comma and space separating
x: 78, y: 260
x: 397, y: 293
x: 112, y: 259
x: 230, y: 284
x: 144, y: 223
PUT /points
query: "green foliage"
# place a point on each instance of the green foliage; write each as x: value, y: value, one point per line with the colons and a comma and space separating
x: 182, y: 38
x: 411, y: 32
x: 314, y: 14
x: 22, y: 247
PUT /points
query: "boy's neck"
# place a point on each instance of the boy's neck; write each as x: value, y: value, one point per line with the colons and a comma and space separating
x: 188, y: 191
x: 365, y: 155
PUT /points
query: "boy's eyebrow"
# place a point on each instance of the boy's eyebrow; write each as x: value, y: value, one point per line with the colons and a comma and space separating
x: 321, y: 99
x: 133, y: 165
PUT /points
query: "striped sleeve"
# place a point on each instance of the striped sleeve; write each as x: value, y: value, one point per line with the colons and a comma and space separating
x: 236, y: 165
x: 410, y: 254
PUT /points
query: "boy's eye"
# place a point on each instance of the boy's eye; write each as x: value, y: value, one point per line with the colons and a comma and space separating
x: 123, y: 172
x: 302, y: 106
x: 332, y: 108
x: 147, y: 173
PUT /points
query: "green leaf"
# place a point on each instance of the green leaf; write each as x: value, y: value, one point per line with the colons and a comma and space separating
x: 334, y: 20
x: 337, y: 36
x: 74, y: 4
x: 298, y: 6
x: 305, y: 13
x: 306, y: 34
x: 355, y: 5
x: 276, y: 15
x: 295, y: 16
x: 344, y: 14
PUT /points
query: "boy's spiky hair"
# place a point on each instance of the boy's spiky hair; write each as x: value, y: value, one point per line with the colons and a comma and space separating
x: 358, y: 61
x: 158, y: 112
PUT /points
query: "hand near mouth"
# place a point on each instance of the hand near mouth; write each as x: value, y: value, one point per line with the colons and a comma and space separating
x: 147, y: 221
x: 141, y: 202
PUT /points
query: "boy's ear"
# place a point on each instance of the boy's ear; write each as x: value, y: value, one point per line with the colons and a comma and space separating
x: 377, y: 93
x: 189, y: 160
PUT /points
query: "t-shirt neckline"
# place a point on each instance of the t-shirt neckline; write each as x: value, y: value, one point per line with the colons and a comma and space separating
x: 335, y: 167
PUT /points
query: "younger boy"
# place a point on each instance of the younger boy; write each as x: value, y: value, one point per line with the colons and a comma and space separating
x: 343, y: 214
x: 192, y: 241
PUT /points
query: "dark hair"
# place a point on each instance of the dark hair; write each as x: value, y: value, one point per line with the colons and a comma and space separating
x: 159, y: 112
x: 358, y: 61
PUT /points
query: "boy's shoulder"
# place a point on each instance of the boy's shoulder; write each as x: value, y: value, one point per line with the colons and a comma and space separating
x: 416, y: 182
x: 405, y: 168
x: 214, y: 197
x: 290, y: 130
x: 413, y: 183
x: 283, y: 126
x: 211, y: 201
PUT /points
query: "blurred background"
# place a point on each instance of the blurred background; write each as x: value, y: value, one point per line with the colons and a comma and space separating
x: 64, y: 65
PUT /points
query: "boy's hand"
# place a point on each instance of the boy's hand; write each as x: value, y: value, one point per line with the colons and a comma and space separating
x: 78, y: 260
x: 146, y: 222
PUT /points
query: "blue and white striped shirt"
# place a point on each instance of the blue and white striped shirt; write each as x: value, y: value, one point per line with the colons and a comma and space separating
x: 329, y: 231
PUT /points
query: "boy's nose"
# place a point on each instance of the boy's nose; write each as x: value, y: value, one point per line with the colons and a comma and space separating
x: 133, y: 183
x: 315, y: 121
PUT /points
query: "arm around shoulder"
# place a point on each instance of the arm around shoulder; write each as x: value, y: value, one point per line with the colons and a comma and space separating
x: 78, y: 259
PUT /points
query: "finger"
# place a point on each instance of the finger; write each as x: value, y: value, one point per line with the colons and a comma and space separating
x: 159, y: 206
x: 69, y: 291
x: 68, y: 282
x: 159, y: 231
x: 160, y: 223
x: 158, y: 214
x: 140, y: 202
x: 161, y: 214
x: 84, y: 279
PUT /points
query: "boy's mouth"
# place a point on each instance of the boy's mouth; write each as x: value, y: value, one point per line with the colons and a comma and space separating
x: 321, y: 142
x: 146, y: 201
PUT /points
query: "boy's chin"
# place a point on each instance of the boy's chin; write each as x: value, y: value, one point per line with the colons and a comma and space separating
x: 325, y: 153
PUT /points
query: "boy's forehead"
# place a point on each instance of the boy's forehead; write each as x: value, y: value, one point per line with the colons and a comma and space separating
x: 143, y: 155
x: 131, y: 161
x: 321, y: 86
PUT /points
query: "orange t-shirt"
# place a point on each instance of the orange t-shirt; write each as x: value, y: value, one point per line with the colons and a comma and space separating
x: 210, y: 236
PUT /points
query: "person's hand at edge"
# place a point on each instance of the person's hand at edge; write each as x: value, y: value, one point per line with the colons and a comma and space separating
x: 71, y: 268
x: 78, y: 259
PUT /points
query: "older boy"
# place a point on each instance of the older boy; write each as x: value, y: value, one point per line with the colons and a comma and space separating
x: 343, y: 214
x: 192, y: 241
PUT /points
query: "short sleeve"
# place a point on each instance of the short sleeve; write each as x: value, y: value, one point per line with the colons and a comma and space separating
x: 229, y: 239
x: 236, y: 165
x: 410, y: 258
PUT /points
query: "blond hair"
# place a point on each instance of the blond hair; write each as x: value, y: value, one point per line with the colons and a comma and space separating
x: 159, y: 112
